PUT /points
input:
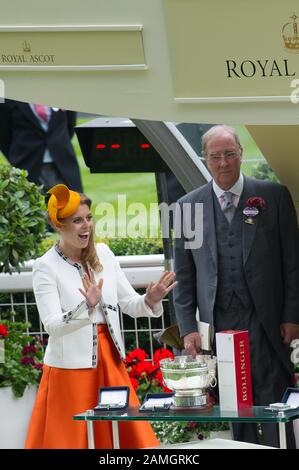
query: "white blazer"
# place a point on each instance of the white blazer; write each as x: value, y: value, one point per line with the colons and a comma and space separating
x: 63, y: 311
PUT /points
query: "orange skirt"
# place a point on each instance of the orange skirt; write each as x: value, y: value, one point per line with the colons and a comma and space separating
x: 65, y: 392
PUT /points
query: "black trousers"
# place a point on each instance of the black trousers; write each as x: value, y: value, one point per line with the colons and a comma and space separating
x: 269, y: 377
x: 50, y: 176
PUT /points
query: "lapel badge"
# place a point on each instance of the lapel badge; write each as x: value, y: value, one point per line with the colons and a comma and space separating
x: 250, y: 211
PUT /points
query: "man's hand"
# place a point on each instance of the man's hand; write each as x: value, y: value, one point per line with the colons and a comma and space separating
x: 192, y: 344
x: 289, y: 331
x: 156, y: 291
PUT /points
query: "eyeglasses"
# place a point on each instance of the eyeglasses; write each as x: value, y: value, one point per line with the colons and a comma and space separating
x: 228, y: 156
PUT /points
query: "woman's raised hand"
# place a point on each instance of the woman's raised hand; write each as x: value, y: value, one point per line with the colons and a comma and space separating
x: 156, y: 291
x: 92, y: 289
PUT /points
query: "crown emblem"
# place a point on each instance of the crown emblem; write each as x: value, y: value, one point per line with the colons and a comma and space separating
x: 290, y: 34
x: 26, y: 46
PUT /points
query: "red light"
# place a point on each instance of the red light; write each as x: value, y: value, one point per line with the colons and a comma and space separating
x: 145, y: 146
x: 115, y: 146
x: 100, y: 146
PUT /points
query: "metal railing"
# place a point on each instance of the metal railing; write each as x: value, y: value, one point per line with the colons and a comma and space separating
x: 16, y: 295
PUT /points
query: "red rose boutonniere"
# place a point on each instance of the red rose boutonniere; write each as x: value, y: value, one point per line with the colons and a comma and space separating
x: 256, y: 201
x: 252, y: 209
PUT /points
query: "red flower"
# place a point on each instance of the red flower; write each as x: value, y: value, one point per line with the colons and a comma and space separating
x: 138, y: 355
x: 131, y: 371
x: 27, y: 360
x: 141, y: 369
x: 145, y: 376
x: 256, y: 201
x: 161, y: 354
x: 144, y: 367
x: 3, y: 330
x: 134, y: 383
x: 166, y: 389
x: 159, y: 377
x: 191, y: 425
x: 29, y: 349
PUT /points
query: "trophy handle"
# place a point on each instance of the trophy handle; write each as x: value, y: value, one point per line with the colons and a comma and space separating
x: 213, y: 382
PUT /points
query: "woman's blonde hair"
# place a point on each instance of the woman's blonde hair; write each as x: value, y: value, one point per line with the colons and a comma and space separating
x: 89, y: 254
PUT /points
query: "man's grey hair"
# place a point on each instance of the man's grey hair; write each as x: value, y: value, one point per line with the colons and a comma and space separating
x: 217, y: 130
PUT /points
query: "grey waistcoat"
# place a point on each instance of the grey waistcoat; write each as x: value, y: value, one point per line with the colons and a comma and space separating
x: 231, y: 277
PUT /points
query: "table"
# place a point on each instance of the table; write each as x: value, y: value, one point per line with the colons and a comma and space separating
x: 255, y: 414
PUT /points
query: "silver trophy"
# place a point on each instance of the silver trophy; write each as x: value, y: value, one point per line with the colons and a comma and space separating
x: 190, y: 379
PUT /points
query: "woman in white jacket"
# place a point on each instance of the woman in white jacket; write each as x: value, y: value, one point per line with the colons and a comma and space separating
x: 78, y: 287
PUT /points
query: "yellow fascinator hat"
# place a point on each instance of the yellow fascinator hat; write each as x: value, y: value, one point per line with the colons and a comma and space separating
x: 62, y: 203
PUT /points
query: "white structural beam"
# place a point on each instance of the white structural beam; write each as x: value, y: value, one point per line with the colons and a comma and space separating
x: 167, y: 60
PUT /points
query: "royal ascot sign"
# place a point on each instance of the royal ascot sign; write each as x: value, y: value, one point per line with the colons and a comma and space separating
x: 241, y: 51
x: 27, y: 57
x: 89, y: 47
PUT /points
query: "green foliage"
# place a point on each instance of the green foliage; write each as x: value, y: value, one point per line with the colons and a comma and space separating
x: 263, y: 171
x: 145, y: 386
x: 181, y: 431
x: 22, y: 221
x: 119, y: 246
x: 134, y: 246
x: 23, y: 355
x: 45, y: 245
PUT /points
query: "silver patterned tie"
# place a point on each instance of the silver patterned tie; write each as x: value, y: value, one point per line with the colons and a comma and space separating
x: 228, y: 207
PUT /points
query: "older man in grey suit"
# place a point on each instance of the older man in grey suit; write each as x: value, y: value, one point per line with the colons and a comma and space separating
x: 245, y: 274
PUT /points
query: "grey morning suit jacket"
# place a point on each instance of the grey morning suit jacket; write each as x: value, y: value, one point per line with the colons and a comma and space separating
x: 270, y: 260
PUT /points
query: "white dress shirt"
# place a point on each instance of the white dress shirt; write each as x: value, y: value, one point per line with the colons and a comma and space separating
x: 236, y: 191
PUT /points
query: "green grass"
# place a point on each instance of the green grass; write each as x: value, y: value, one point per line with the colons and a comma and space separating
x: 137, y: 188
x: 251, y: 151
